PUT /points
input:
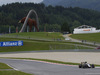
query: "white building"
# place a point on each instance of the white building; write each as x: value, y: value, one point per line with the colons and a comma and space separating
x: 85, y: 29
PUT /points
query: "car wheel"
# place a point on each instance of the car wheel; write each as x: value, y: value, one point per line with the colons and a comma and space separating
x: 92, y: 66
x: 80, y: 66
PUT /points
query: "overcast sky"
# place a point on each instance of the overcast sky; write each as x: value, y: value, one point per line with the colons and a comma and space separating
x: 12, y: 1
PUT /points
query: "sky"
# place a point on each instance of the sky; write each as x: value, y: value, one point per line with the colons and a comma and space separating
x: 12, y: 1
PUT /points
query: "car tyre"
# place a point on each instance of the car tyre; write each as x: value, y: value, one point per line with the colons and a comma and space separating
x: 80, y: 66
x: 92, y: 66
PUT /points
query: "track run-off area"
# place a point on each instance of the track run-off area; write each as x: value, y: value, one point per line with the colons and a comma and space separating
x: 75, y: 56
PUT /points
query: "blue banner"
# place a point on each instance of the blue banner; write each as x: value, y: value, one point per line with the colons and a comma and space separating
x: 11, y: 43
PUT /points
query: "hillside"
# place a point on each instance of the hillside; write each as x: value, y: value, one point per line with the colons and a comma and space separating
x: 34, y: 41
x: 52, y: 18
x: 91, y: 4
x: 93, y: 37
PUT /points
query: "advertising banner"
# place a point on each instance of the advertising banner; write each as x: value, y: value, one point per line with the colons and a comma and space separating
x: 11, y: 43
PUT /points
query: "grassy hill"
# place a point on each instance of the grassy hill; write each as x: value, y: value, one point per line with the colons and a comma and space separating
x: 38, y: 41
x: 89, y: 37
x: 38, y: 35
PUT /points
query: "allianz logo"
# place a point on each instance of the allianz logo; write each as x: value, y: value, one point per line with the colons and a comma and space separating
x: 9, y: 43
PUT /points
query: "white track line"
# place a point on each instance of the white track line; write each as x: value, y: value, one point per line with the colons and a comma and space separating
x: 13, y: 67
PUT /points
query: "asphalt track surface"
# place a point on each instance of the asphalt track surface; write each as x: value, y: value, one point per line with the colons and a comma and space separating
x: 43, y: 68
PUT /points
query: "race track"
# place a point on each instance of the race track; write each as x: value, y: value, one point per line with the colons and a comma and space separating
x: 43, y: 68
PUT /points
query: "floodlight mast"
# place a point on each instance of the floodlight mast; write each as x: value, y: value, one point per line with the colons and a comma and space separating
x: 26, y: 20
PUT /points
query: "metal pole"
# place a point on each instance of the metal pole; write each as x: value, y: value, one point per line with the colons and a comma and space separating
x: 9, y: 29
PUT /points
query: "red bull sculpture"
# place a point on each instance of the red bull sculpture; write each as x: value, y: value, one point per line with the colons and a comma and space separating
x: 30, y: 23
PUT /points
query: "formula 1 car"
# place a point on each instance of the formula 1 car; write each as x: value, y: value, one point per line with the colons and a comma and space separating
x: 86, y: 65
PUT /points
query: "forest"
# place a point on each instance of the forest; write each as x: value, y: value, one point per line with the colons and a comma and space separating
x: 51, y: 18
x: 90, y: 4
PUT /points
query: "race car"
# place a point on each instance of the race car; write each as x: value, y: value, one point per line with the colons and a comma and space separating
x: 86, y: 65
x: 98, y: 47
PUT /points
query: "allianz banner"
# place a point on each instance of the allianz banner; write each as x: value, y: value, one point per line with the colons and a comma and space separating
x: 11, y: 43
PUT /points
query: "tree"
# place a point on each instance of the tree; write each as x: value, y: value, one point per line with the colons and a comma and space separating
x: 10, y: 15
x: 65, y: 27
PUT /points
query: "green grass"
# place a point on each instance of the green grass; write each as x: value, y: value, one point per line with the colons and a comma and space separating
x: 38, y: 35
x: 33, y: 45
x: 89, y: 37
x: 13, y: 73
x: 4, y: 66
x: 36, y: 44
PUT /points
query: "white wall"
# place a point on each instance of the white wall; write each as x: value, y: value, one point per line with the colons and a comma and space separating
x: 85, y: 30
